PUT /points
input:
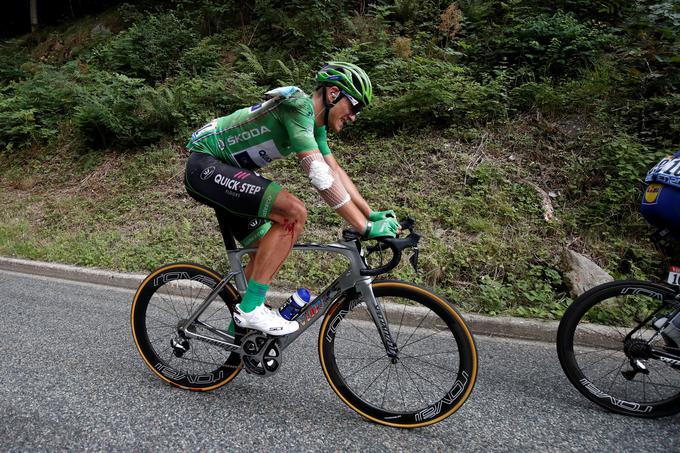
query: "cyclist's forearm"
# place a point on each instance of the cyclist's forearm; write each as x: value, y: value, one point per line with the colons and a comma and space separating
x: 353, y: 215
x: 354, y: 194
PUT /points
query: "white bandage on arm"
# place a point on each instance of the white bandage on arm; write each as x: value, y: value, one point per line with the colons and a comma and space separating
x: 323, y: 179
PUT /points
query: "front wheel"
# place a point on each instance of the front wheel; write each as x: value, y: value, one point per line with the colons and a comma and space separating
x: 434, y: 371
x: 164, y: 301
x: 606, y: 344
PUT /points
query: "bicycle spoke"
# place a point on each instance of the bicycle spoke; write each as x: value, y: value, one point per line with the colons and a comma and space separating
x: 387, y: 381
x: 417, y: 327
x: 410, y: 372
x: 358, y: 358
x: 372, y: 341
x: 173, y: 315
x: 668, y: 384
x: 375, y: 379
x: 430, y: 363
x: 199, y: 361
x: 160, y: 325
x: 597, y: 351
x: 401, y: 323
x: 608, y: 356
x: 159, y: 339
x: 401, y: 390
x: 616, y: 375
x: 371, y: 344
x: 361, y: 369
x: 453, y: 351
x: 425, y: 379
x: 424, y: 338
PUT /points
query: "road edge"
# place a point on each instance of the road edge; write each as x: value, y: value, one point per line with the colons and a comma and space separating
x: 496, y: 326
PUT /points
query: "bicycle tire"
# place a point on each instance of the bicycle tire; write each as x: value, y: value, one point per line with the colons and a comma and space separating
x: 593, y: 355
x: 163, y: 297
x: 348, y: 322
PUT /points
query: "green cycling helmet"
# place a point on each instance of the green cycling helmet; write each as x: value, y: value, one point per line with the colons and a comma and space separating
x: 349, y: 78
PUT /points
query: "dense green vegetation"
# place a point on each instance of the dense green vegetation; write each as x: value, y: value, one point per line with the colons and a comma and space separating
x: 484, y: 110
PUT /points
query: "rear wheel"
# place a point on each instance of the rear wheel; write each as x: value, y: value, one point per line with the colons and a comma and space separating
x: 609, y: 366
x: 433, y: 374
x: 163, y: 301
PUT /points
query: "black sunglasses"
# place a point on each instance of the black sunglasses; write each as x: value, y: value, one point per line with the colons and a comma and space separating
x: 356, y: 105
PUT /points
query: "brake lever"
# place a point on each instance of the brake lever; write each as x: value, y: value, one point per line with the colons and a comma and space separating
x: 414, y: 260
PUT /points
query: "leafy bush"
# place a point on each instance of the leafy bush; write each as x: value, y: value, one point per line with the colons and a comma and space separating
x: 540, y: 95
x: 657, y: 121
x: 271, y: 68
x: 533, y: 293
x: 11, y: 60
x: 150, y: 49
x: 555, y: 45
x: 201, y: 57
x: 300, y: 27
x: 120, y: 111
x: 218, y: 92
x: 611, y: 190
x: 32, y: 109
x: 420, y: 92
x: 214, y: 16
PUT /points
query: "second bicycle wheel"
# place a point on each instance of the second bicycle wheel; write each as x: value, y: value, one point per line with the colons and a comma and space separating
x: 165, y: 300
x: 605, y: 341
x: 434, y: 372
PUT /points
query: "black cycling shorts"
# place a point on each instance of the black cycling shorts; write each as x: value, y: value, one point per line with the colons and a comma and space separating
x: 240, y: 196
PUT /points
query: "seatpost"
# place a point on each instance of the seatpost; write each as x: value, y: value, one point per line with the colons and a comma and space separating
x: 230, y: 246
x: 227, y: 235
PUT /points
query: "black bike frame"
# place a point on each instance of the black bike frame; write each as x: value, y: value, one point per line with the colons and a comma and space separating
x: 657, y: 353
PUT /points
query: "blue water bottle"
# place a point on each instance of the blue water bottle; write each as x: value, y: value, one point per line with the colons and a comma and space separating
x: 294, y: 304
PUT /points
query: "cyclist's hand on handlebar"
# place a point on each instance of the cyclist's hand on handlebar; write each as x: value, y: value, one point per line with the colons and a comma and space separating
x: 374, y: 216
x: 388, y: 227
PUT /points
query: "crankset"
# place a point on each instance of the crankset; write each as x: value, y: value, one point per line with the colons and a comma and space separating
x: 261, y: 354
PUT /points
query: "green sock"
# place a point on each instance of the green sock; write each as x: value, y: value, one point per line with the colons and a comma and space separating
x: 254, y: 296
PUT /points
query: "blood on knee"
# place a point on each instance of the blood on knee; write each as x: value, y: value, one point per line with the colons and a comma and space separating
x: 289, y: 226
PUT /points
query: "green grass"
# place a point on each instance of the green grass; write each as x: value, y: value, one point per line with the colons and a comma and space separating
x: 486, y: 244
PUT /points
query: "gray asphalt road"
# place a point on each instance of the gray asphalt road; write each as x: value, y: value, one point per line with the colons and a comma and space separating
x: 71, y: 379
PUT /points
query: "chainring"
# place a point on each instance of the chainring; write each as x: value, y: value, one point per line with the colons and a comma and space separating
x: 261, y: 354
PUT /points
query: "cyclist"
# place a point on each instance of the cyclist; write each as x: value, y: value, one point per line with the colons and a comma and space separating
x: 661, y: 208
x: 261, y: 214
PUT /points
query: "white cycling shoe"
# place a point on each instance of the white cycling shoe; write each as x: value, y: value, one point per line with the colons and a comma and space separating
x: 264, y: 320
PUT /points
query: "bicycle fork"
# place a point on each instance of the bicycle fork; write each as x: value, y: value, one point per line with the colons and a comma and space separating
x: 379, y: 319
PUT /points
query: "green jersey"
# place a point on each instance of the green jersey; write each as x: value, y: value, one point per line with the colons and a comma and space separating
x: 254, y: 136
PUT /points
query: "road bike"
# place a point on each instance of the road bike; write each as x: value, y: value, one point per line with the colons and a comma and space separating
x: 611, y: 346
x: 394, y: 352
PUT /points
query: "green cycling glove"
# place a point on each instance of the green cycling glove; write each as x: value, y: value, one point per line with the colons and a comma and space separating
x: 382, y: 228
x: 374, y: 216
